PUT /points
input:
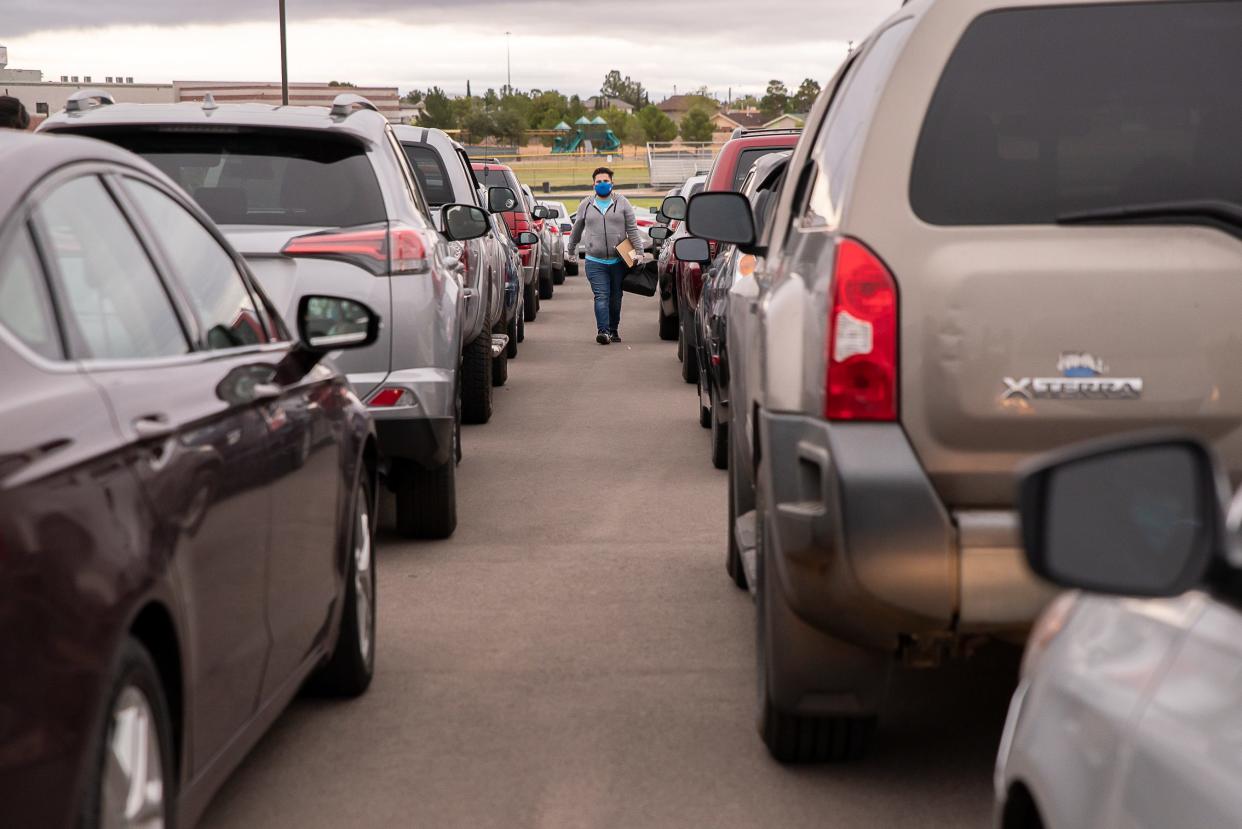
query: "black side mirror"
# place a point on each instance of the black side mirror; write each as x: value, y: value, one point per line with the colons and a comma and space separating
x: 527, y: 238
x: 692, y: 249
x: 723, y: 217
x: 1131, y: 517
x: 333, y: 323
x: 674, y: 207
x: 659, y: 233
x: 501, y: 200
x: 459, y: 222
x: 539, y: 212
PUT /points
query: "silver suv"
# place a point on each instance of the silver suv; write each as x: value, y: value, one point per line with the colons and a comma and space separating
x: 323, y: 200
x: 1008, y: 226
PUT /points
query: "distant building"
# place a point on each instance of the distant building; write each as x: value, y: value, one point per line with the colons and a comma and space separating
x: 727, y: 121
x: 409, y: 113
x: 788, y: 121
x: 385, y: 98
x: 8, y: 75
x: 607, y: 102
x: 677, y: 106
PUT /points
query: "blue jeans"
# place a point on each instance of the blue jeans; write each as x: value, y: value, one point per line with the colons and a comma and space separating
x: 606, y: 284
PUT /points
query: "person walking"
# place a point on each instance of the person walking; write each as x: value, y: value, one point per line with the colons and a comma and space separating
x: 605, y: 219
x: 13, y: 114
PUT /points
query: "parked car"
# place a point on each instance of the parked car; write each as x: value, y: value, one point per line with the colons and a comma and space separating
x: 515, y: 326
x: 562, y: 225
x: 1124, y: 698
x: 321, y: 200
x: 549, y: 236
x: 668, y: 265
x: 940, y: 306
x: 727, y: 173
x: 443, y: 171
x: 519, y: 220
x: 172, y: 572
x: 728, y: 271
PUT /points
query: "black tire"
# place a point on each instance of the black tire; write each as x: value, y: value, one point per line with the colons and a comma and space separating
x: 720, y: 434
x: 521, y: 328
x: 500, y: 368
x: 788, y: 650
x: 426, y: 499
x: 530, y: 302
x: 689, y: 355
x: 558, y: 275
x: 476, y: 379
x: 705, y: 414
x: 349, y: 670
x: 545, y: 284
x: 135, y: 676
x: 668, y: 325
x: 733, y: 557
x: 511, y: 348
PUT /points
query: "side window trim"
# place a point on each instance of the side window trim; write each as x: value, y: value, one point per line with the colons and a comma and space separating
x: 407, y: 171
x: 470, y: 176
x: 23, y: 223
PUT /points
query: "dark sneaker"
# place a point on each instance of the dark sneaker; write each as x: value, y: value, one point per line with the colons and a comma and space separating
x: 602, y: 338
x: 615, y: 336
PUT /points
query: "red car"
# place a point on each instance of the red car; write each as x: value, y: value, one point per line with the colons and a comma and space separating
x: 728, y: 172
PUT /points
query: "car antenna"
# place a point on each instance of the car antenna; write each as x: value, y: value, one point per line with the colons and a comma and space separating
x: 209, y: 102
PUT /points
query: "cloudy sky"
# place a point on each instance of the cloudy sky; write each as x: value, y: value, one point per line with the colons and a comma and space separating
x: 563, y: 44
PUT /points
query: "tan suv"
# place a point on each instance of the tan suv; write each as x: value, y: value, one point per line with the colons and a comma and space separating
x: 1008, y: 226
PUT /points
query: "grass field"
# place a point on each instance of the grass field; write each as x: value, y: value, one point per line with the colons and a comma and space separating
x: 577, y: 171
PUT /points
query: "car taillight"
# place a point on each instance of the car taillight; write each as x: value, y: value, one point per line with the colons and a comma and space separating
x: 390, y: 397
x: 368, y: 248
x: 861, y: 381
x: 645, y: 223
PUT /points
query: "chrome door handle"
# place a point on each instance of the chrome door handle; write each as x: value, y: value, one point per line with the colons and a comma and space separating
x: 150, y: 427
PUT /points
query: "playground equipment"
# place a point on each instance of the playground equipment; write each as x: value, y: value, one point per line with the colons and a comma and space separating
x: 585, y: 136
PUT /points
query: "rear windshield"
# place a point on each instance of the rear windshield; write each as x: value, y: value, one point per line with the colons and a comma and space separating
x: 1048, y: 112
x: 747, y: 158
x: 491, y: 177
x: 433, y: 178
x: 265, y: 178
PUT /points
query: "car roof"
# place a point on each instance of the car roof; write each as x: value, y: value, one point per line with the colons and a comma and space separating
x: 424, y: 135
x: 27, y: 158
x: 363, y: 123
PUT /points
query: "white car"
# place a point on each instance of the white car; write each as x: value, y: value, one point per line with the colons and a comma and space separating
x: 1129, y: 710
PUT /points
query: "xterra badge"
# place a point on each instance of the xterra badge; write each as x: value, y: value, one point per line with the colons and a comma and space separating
x: 1082, y: 378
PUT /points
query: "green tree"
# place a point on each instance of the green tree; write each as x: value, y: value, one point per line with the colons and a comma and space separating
x: 775, y: 100
x: 343, y: 83
x: 478, y: 125
x: 490, y: 98
x: 746, y: 102
x: 576, y: 109
x: 697, y: 125
x: 804, y: 98
x: 656, y: 125
x: 630, y: 91
x: 412, y: 97
x: 510, y: 126
x: 546, y: 109
x: 440, y: 112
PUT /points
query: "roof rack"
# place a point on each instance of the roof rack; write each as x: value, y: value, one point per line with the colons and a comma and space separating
x: 343, y: 104
x: 742, y: 132
x: 85, y: 99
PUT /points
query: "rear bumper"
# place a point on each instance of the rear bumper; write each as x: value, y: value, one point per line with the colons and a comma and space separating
x: 866, y: 551
x: 422, y: 431
x: 427, y: 442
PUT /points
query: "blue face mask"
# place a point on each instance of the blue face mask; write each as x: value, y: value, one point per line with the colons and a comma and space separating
x: 603, y: 188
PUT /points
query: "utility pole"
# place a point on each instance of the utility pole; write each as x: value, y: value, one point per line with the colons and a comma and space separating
x: 284, y: 60
x: 508, y: 66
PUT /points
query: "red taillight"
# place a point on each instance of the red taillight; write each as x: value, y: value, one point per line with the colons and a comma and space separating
x: 645, y: 223
x: 389, y: 397
x: 862, y: 338
x: 368, y: 248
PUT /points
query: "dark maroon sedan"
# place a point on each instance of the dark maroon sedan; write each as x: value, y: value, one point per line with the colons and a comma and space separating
x: 186, y: 496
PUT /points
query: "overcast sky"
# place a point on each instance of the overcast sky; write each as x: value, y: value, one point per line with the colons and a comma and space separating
x: 562, y: 44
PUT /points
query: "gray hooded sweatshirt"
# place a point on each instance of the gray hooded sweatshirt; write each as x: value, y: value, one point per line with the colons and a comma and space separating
x: 604, y: 231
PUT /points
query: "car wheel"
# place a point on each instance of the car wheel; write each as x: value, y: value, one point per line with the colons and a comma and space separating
x: 668, y: 326
x: 500, y: 368
x: 521, y: 328
x: 349, y: 670
x: 733, y: 558
x: 426, y: 499
x: 558, y: 275
x: 545, y: 284
x: 514, y: 337
x: 530, y: 303
x: 132, y: 778
x: 476, y: 378
x: 792, y: 655
x: 689, y: 356
x: 720, y: 435
x: 705, y: 412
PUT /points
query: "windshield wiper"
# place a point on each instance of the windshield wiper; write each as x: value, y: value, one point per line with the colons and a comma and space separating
x: 1215, y: 212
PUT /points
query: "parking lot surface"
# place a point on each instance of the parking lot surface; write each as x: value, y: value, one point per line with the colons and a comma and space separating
x: 576, y: 656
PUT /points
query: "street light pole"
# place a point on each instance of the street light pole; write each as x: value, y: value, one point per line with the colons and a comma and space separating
x: 284, y: 62
x: 508, y: 66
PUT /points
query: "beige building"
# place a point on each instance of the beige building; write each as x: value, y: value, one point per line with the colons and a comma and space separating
x: 385, y: 98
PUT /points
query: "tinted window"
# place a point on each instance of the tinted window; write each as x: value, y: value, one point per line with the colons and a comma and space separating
x: 113, y: 302
x: 1044, y: 112
x: 25, y: 308
x: 217, y: 291
x: 260, y: 178
x: 491, y: 177
x: 432, y: 177
x: 746, y: 160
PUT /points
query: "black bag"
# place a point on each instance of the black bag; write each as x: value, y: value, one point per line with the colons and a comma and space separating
x: 642, y: 279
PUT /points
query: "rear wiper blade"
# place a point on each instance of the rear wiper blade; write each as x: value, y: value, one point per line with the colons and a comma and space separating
x: 1189, y: 211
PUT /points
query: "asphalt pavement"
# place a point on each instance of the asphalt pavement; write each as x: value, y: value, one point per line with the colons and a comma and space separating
x: 575, y: 656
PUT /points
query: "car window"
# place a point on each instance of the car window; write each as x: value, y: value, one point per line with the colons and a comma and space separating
x: 1045, y: 112
x: 114, y: 304
x: 218, y: 292
x: 413, y: 186
x: 25, y: 307
x: 840, y: 143
x: 432, y: 177
x: 746, y: 160
x: 266, y: 178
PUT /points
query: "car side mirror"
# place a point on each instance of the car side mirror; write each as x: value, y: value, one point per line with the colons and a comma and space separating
x: 1127, y: 517
x: 527, y: 238
x: 674, y: 207
x: 692, y: 249
x: 333, y: 323
x: 501, y: 200
x: 539, y: 212
x: 723, y: 217
x: 462, y: 221
x: 659, y: 233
